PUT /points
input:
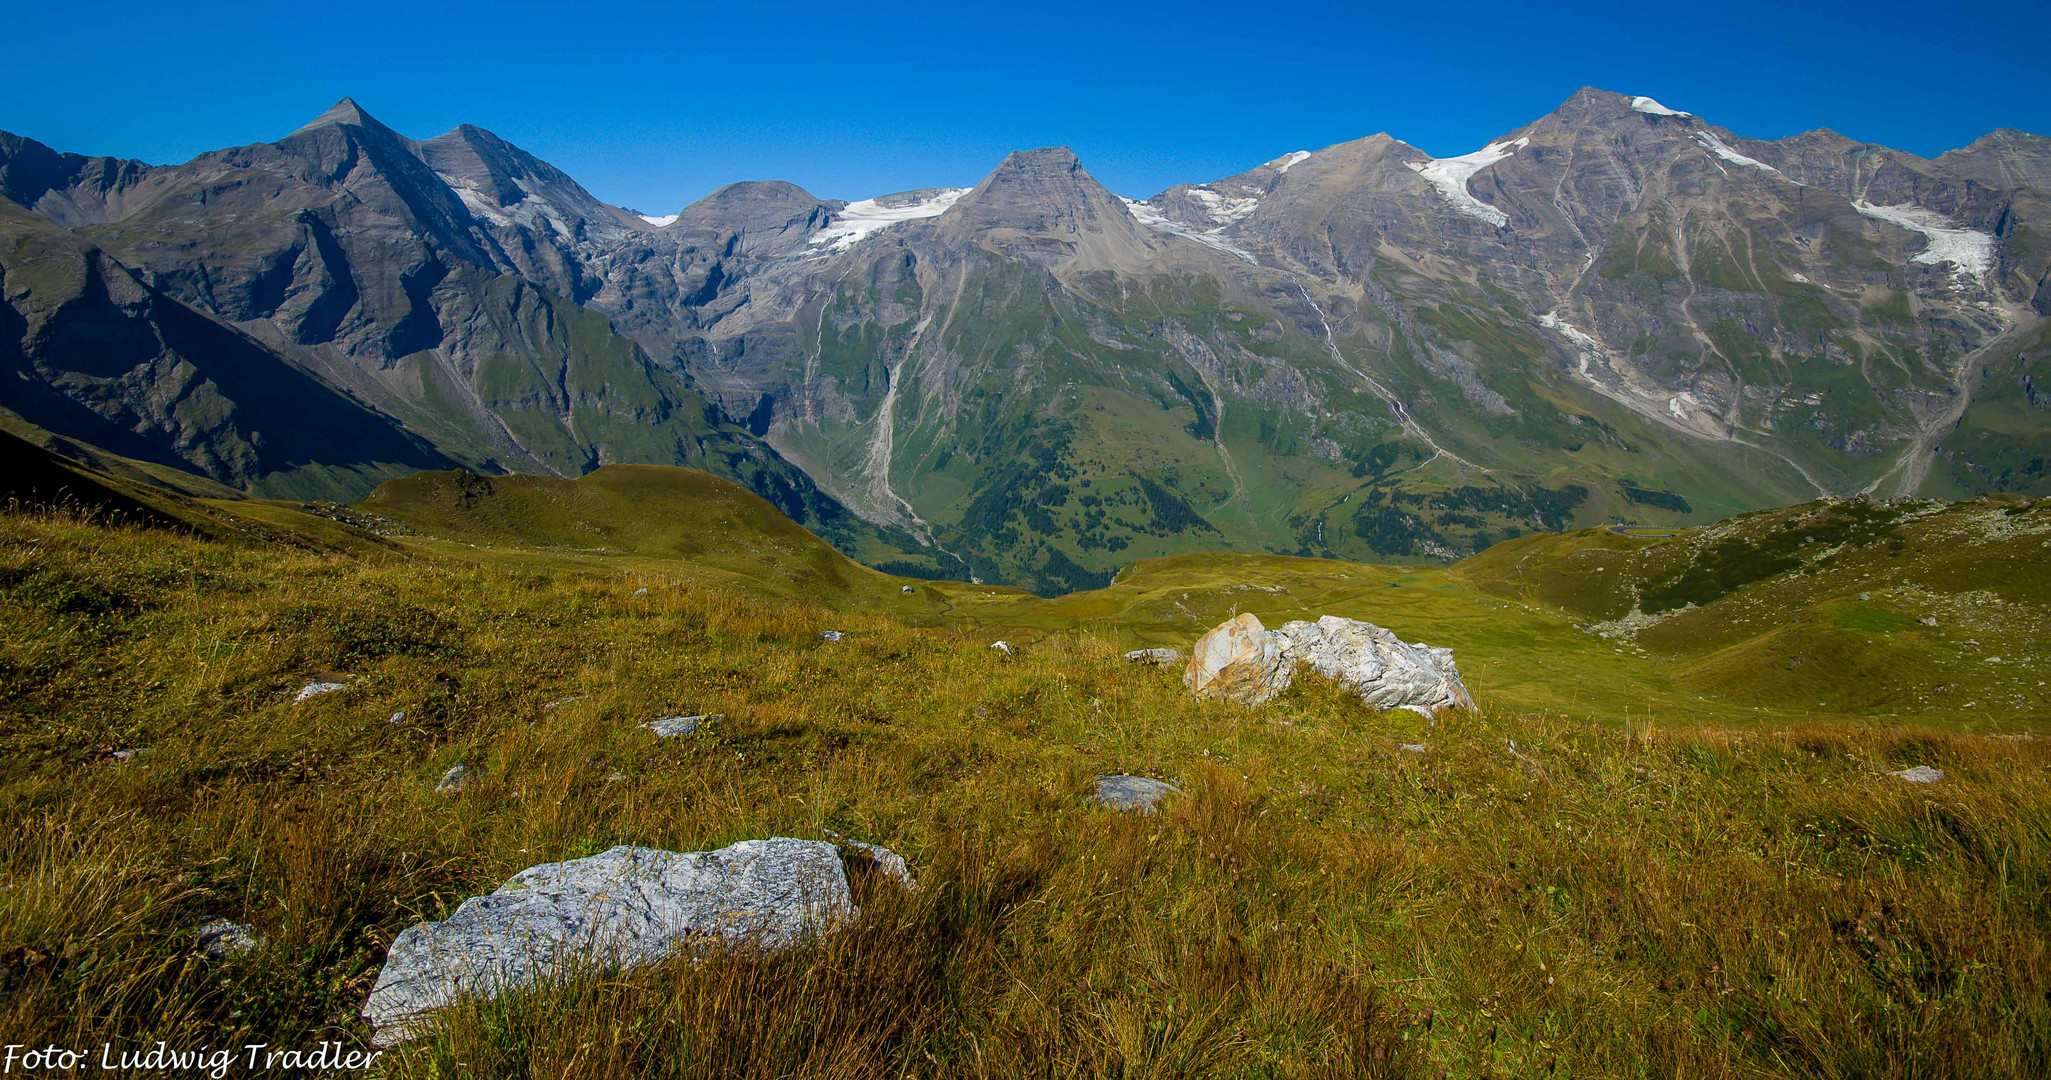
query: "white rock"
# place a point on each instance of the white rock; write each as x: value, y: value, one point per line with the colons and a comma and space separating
x: 1002, y: 646
x: 1244, y: 661
x: 1415, y: 748
x: 1156, y: 657
x: 907, y: 590
x: 623, y: 908
x: 1386, y: 671
x: 1920, y: 774
x: 830, y: 635
x: 456, y: 779
x: 314, y: 689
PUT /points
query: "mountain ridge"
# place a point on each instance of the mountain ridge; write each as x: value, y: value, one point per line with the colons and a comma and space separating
x: 1615, y: 311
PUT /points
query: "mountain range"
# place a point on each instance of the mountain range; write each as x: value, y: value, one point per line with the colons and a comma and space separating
x: 1619, y: 312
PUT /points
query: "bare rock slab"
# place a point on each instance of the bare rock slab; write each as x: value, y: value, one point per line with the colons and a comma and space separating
x: 623, y: 908
x: 1132, y: 792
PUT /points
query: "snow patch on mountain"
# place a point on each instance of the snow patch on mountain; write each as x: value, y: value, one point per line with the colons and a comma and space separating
x: 1224, y: 210
x: 531, y: 211
x: 858, y: 219
x: 1450, y: 176
x: 657, y: 221
x: 1153, y: 219
x: 1724, y: 150
x: 1653, y: 108
x: 1290, y: 160
x: 1969, y: 251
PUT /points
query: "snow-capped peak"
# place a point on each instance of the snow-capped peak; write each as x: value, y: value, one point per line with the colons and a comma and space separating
x: 858, y: 219
x: 1450, y: 176
x: 1653, y: 108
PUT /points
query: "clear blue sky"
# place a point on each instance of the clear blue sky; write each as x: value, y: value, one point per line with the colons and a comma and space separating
x: 653, y: 105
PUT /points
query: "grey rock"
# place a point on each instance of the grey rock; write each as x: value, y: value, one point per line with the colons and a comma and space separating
x: 1415, y: 748
x: 642, y: 591
x: 1156, y: 657
x: 624, y: 908
x: 456, y: 779
x: 315, y: 689
x: 396, y: 717
x: 907, y: 590
x: 830, y: 635
x: 222, y: 938
x: 1132, y: 792
x: 679, y: 725
x: 1920, y: 774
x: 130, y: 755
x: 1928, y: 620
x: 1002, y: 646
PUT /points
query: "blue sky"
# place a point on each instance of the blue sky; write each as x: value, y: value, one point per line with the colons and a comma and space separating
x: 653, y: 105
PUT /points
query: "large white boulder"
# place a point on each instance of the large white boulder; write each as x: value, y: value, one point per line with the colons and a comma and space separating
x: 1243, y: 661
x: 619, y: 909
x: 1386, y: 671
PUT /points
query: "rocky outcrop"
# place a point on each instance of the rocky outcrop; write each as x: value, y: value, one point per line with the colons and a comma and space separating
x: 623, y: 908
x: 1241, y: 660
x: 1154, y: 657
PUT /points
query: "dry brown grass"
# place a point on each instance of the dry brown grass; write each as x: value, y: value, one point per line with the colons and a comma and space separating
x: 1688, y: 902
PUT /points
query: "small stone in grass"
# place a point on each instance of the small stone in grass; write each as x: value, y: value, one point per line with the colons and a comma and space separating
x: 314, y: 689
x: 1132, y: 792
x: 830, y: 635
x: 679, y: 725
x: 1921, y: 774
x: 220, y: 938
x: 1002, y: 646
x: 456, y: 779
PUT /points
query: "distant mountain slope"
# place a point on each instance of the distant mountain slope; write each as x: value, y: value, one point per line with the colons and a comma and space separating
x: 1619, y: 311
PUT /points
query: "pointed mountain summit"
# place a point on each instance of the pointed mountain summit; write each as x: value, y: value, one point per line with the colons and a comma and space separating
x: 1042, y: 205
x: 342, y: 113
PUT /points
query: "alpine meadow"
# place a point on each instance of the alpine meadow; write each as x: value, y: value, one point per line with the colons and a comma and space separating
x: 1575, y: 608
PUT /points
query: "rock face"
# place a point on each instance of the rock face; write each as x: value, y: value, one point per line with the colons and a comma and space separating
x: 1240, y: 660
x: 623, y: 908
x: 1132, y: 792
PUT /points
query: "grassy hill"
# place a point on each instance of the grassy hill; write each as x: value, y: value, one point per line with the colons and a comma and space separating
x: 1711, y: 891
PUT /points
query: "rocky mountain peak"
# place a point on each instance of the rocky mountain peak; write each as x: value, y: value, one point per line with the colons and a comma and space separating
x: 342, y: 113
x: 1043, y: 205
x: 762, y: 216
